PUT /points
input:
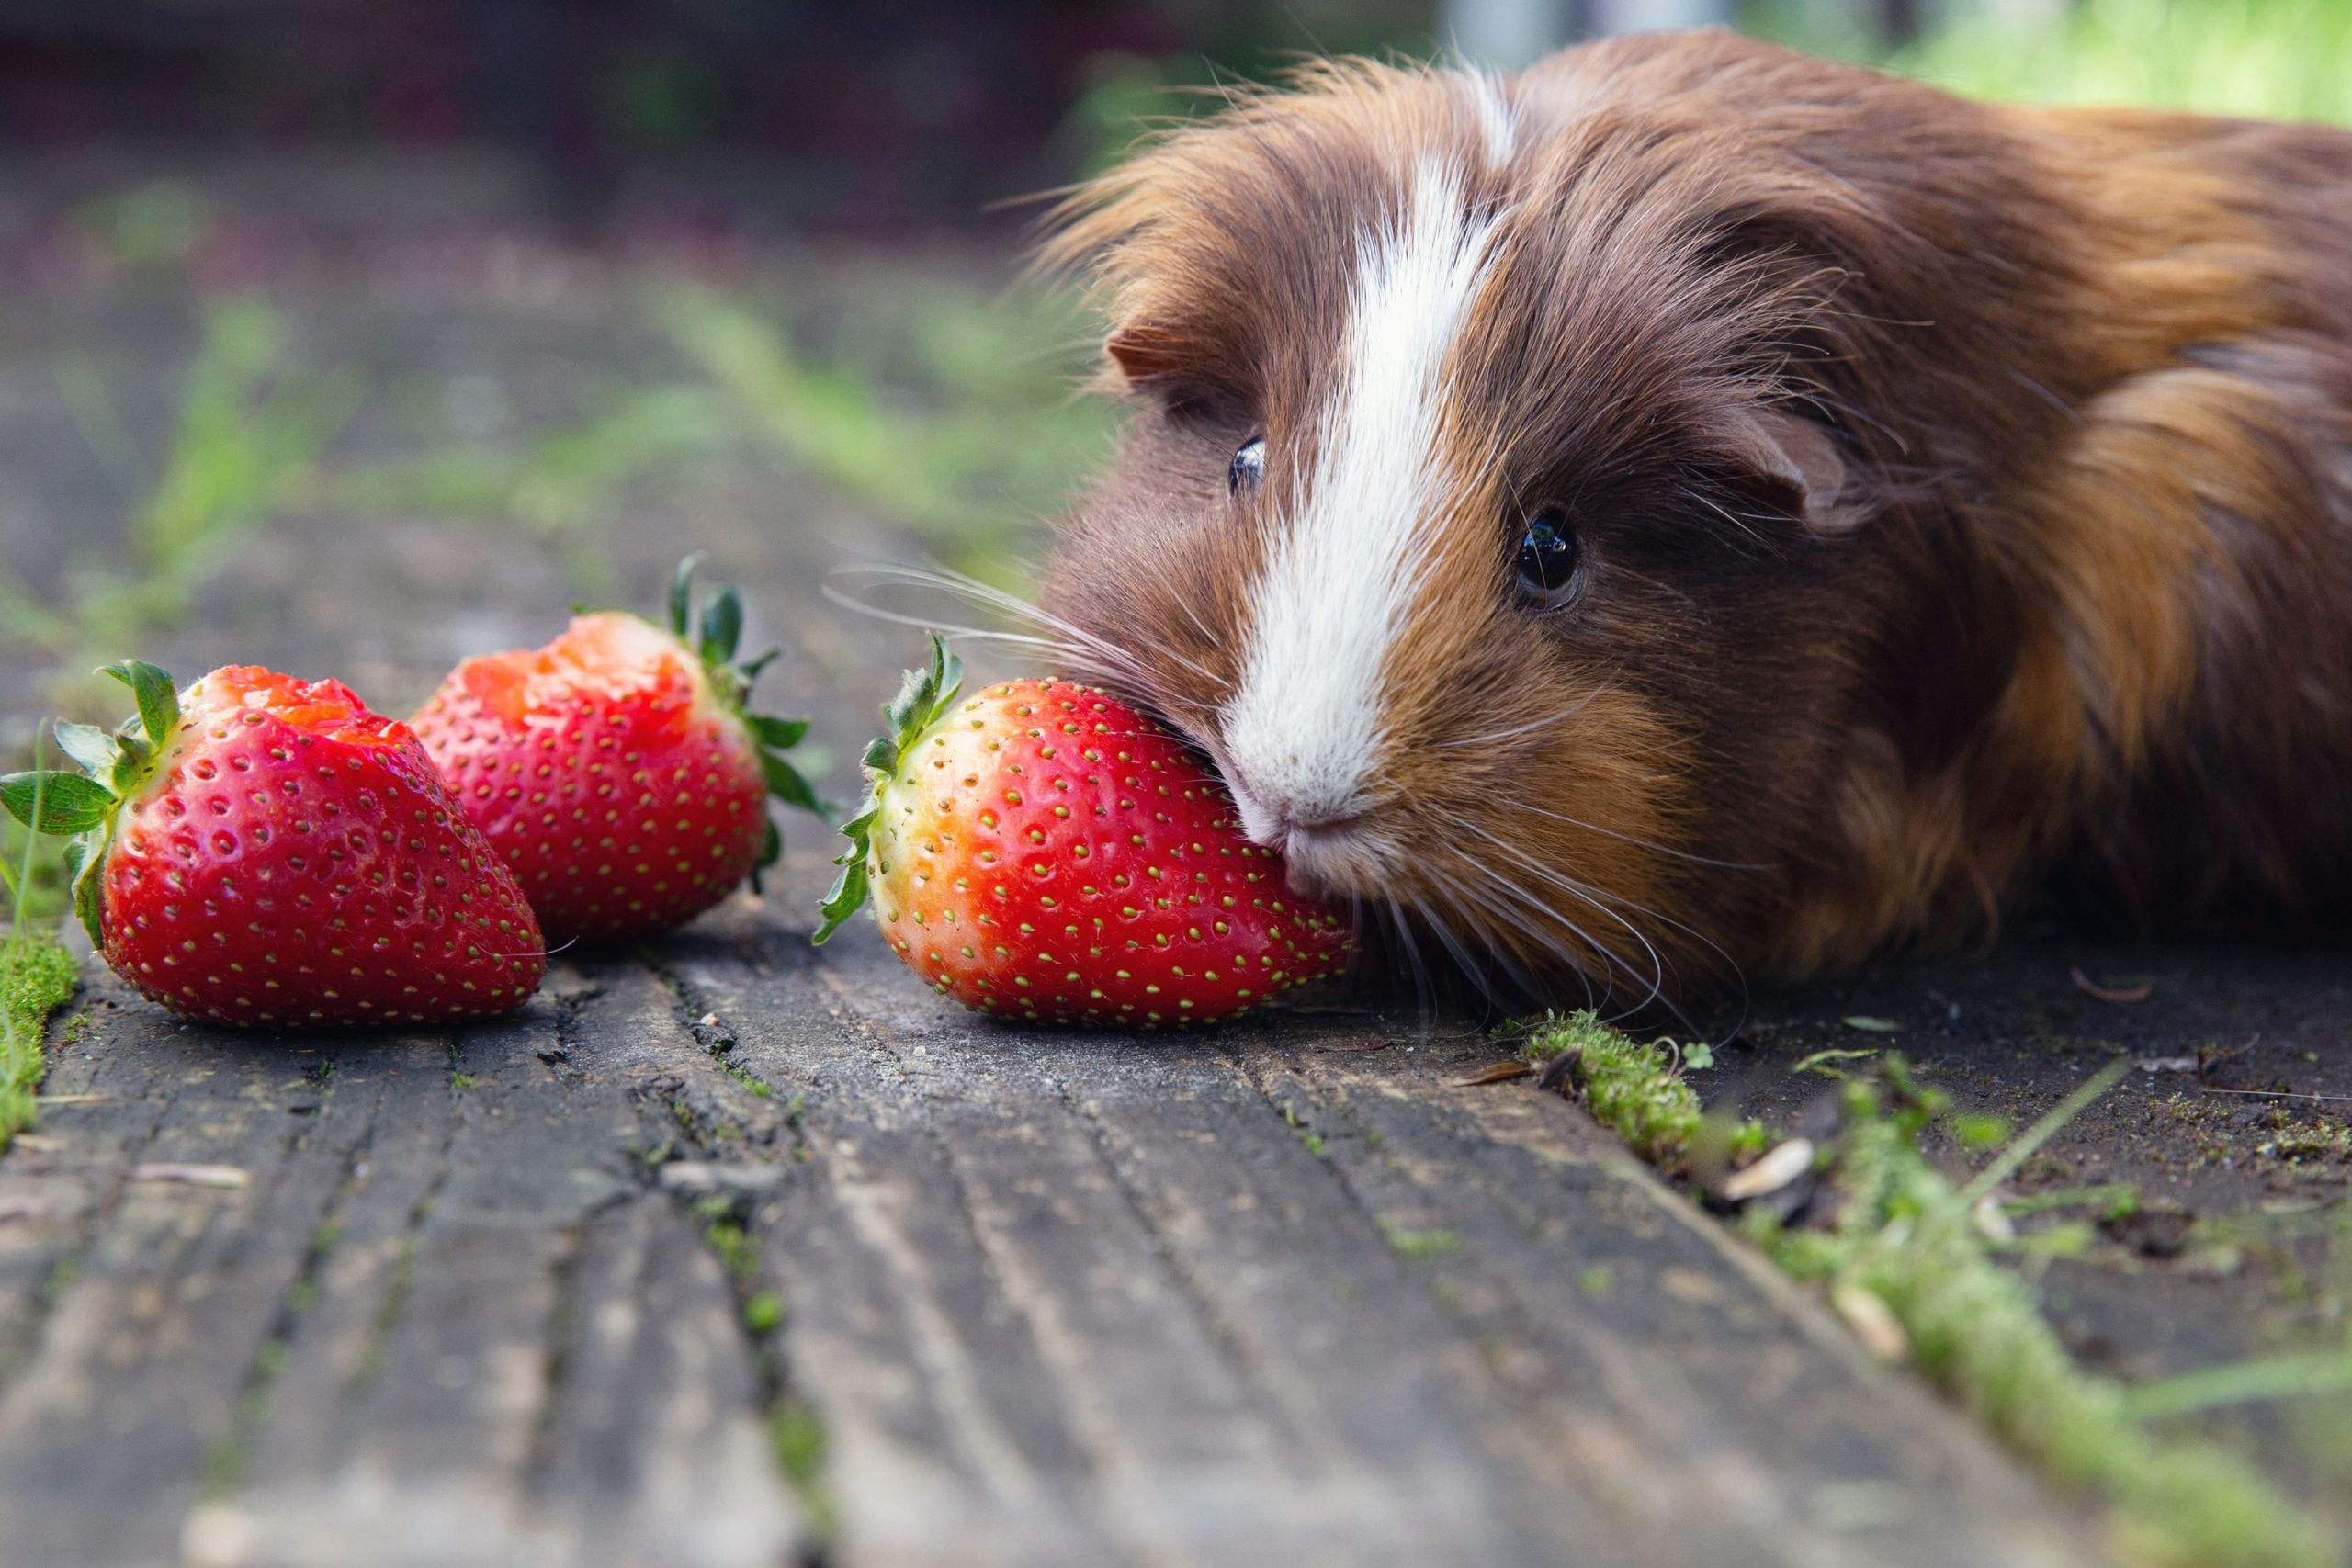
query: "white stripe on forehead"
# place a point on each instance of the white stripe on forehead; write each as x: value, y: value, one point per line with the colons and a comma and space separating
x: 1303, y: 731
x: 1497, y: 126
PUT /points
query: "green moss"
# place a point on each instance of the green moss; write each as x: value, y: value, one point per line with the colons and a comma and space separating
x: 1420, y: 1246
x: 1908, y: 1237
x: 796, y: 1434
x: 1632, y: 1085
x: 36, y: 977
x: 730, y: 1241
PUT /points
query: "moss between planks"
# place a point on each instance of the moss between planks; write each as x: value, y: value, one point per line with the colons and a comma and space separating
x: 1903, y: 1238
x: 36, y: 977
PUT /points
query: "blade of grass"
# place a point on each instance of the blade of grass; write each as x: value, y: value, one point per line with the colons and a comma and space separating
x: 2006, y: 1163
x: 2242, y: 1383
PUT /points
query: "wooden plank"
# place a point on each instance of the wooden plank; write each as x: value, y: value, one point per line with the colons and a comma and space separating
x: 545, y: 1364
x: 162, y: 1308
x: 1295, y: 1301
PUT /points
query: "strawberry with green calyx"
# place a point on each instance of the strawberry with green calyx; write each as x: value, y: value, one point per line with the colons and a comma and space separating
x: 617, y: 770
x: 260, y: 850
x: 1041, y: 850
x: 82, y: 807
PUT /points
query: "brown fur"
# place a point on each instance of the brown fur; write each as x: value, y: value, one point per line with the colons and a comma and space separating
x: 2082, y: 600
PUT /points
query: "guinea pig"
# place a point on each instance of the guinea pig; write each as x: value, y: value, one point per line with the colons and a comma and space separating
x: 1688, y: 509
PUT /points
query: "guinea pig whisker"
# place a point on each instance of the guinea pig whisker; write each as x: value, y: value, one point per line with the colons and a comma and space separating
x: 1460, y: 894
x: 1523, y: 907
x: 1404, y: 930
x: 984, y: 634
x: 1638, y: 842
x: 1074, y: 646
x: 1549, y: 720
x: 1096, y: 656
x: 1578, y: 890
x: 1593, y: 894
x: 1600, y: 900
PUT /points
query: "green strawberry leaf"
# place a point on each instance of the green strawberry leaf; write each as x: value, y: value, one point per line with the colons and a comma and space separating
x: 59, y: 804
x: 83, y: 808
x: 156, y: 693
x: 88, y: 745
x: 681, y: 595
x: 82, y: 858
x: 717, y: 632
x: 722, y: 627
x: 923, y: 701
x: 845, y: 897
x: 771, y: 851
x: 130, y: 766
x: 780, y: 733
x: 786, y: 785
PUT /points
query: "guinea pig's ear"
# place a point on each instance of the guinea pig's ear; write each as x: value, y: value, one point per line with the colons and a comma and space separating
x: 1144, y: 353
x: 1796, y: 455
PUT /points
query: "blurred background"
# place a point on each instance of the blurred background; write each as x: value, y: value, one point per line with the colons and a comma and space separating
x: 495, y: 305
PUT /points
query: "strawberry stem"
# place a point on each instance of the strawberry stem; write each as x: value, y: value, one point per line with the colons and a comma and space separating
x: 83, y: 808
x: 923, y: 701
x: 715, y: 633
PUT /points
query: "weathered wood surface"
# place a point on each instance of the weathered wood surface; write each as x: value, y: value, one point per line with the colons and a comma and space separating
x: 508, y: 1296
x: 1259, y: 1296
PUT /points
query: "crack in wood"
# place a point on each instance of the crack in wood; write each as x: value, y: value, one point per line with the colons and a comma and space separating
x: 225, y: 1464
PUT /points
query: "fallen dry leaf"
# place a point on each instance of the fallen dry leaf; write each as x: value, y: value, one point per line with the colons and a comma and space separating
x: 2098, y: 992
x: 1779, y: 1166
x: 224, y: 1175
x: 1872, y: 1321
x: 1494, y: 1072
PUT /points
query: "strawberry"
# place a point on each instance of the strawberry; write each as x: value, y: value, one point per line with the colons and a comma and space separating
x: 616, y: 770
x: 1044, y: 851
x: 260, y: 850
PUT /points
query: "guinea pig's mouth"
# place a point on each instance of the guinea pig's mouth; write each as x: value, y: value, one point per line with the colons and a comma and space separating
x: 1341, y: 857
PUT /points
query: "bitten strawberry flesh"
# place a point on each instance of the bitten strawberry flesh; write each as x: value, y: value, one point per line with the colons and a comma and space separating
x: 1042, y: 851
x: 264, y: 851
x: 615, y: 769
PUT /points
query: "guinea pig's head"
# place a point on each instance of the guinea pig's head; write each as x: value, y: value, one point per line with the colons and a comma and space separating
x: 1472, y: 515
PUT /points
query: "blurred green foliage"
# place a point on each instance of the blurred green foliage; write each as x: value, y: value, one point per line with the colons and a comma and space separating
x: 946, y: 411
x: 251, y: 424
x: 2271, y: 59
x: 2274, y: 59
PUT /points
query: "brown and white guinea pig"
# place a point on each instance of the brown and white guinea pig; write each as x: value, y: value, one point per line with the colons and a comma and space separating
x: 1690, y: 508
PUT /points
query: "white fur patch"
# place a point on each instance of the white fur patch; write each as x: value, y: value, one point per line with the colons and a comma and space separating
x: 1303, y: 733
x: 1498, y: 123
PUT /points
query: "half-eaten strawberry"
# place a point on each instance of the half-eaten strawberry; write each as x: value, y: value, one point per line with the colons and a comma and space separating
x: 617, y: 769
x: 260, y: 850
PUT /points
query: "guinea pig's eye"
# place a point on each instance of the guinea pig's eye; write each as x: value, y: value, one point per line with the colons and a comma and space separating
x: 1547, y: 559
x: 1248, y: 465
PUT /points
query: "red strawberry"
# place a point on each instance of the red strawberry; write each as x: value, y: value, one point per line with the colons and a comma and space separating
x: 1044, y: 851
x: 615, y: 769
x: 261, y: 850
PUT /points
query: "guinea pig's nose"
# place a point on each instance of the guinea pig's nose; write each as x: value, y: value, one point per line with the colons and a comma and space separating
x: 1288, y: 825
